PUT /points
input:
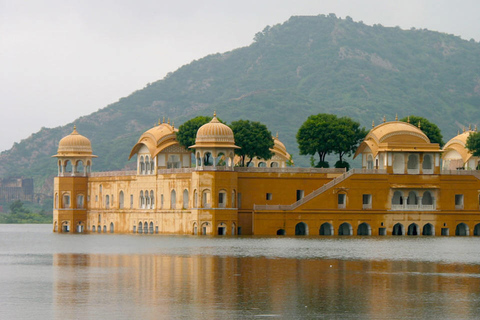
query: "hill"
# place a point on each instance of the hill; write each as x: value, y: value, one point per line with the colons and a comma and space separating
x: 304, y: 66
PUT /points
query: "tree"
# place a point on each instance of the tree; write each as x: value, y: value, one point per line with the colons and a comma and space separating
x: 316, y: 136
x: 187, y: 132
x: 348, y: 135
x: 431, y: 130
x: 473, y: 143
x: 254, y: 139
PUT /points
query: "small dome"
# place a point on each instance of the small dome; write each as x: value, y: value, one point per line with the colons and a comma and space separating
x: 74, y: 145
x: 156, y: 139
x: 215, y: 134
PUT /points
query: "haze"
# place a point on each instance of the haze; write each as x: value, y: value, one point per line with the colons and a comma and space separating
x: 60, y: 60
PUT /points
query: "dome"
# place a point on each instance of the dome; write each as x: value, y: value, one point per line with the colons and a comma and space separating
x: 396, y: 136
x: 215, y: 134
x: 279, y: 148
x: 74, y: 145
x: 156, y: 139
x: 457, y: 146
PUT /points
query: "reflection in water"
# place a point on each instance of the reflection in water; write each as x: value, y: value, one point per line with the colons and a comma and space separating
x: 197, y: 286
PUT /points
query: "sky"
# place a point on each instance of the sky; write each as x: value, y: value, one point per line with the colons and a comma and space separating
x: 62, y: 59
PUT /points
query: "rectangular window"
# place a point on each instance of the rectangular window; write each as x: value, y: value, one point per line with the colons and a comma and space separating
x: 459, y: 201
x: 367, y: 201
x: 268, y: 196
x: 341, y: 200
x: 300, y: 194
x: 382, y: 231
x: 221, y: 199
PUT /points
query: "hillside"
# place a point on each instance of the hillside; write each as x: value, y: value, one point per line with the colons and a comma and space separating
x: 304, y: 66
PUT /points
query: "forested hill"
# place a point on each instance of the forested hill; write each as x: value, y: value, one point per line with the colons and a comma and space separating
x: 304, y: 66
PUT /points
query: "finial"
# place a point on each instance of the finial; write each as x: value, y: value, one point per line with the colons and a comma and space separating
x: 396, y: 116
x: 373, y: 123
x: 463, y: 128
x: 384, y: 119
x: 168, y: 120
x: 74, y: 127
x: 173, y: 124
x: 159, y: 123
x: 408, y: 119
x: 215, y: 113
x: 163, y: 120
x: 470, y: 127
x: 458, y: 132
x: 277, y: 135
x: 419, y: 127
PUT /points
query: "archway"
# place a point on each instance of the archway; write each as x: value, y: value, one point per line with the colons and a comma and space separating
x: 112, y: 229
x: 364, y: 229
x: 428, y: 230
x: 301, y: 229
x: 413, y: 230
x: 222, y: 229
x: 145, y: 227
x: 326, y: 229
x: 281, y: 232
x: 345, y: 229
x: 462, y: 230
x: 150, y: 229
x: 140, y: 227
x: 476, y: 230
x: 398, y: 230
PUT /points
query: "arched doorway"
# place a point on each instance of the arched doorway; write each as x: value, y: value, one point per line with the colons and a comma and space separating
x: 364, y: 229
x: 413, y: 230
x: 428, y: 230
x: 145, y: 227
x: 326, y: 229
x: 150, y: 229
x: 222, y: 229
x: 476, y: 230
x: 398, y: 230
x: 345, y: 229
x: 462, y: 230
x: 140, y: 227
x: 301, y: 229
x: 281, y: 232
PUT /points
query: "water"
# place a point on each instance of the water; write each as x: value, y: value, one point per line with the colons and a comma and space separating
x: 109, y: 276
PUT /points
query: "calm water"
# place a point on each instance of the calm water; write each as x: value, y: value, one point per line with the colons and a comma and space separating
x: 108, y: 276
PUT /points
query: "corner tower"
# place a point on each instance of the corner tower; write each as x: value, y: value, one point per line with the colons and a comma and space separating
x: 74, y: 156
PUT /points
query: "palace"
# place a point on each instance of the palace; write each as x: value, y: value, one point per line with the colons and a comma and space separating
x: 406, y: 186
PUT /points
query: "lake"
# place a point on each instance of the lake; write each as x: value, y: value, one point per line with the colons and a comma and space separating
x: 111, y: 276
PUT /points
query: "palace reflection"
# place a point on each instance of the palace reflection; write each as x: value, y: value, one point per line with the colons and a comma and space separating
x: 169, y: 286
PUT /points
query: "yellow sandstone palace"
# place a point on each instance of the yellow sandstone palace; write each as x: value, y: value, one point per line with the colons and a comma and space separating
x: 406, y: 186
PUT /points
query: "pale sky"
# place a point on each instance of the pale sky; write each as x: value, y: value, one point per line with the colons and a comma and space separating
x: 62, y: 59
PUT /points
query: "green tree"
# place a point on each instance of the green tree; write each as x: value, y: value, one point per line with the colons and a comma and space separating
x: 431, y: 130
x: 348, y: 135
x: 254, y: 139
x: 473, y: 143
x: 187, y: 132
x: 316, y: 136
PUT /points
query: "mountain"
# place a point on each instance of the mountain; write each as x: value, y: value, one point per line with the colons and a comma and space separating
x: 305, y: 66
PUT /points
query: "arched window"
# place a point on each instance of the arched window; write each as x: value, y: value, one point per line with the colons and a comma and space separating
x: 427, y: 162
x: 152, y: 200
x: 107, y: 201
x: 427, y: 198
x: 79, y: 167
x: 93, y: 228
x: 142, y: 165
x: 462, y: 230
x: 222, y: 199
x: 398, y: 230
x: 398, y: 164
x: 397, y: 198
x: 147, y: 165
x: 174, y: 161
x: 413, y: 230
x: 112, y: 229
x: 369, y: 161
x: 345, y: 229
x: 207, y: 159
x: 262, y: 164
x: 206, y: 199
x: 185, y: 199
x: 199, y: 160
x: 412, y: 164
x: 428, y: 230
x: 173, y: 199
x: 150, y: 229
x: 364, y: 229
x: 56, y: 200
x: 195, y: 199
x: 147, y: 199
x: 66, y: 200
x: 326, y: 229
x: 145, y: 227
x: 80, y: 201
x: 152, y: 166
x: 274, y: 165
x: 301, y: 229
x: 233, y: 203
x: 221, y: 160
x: 412, y: 198
x: 142, y: 200
x: 120, y: 200
x: 67, y: 167
x: 140, y: 227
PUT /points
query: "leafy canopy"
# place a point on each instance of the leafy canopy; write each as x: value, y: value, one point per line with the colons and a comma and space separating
x: 431, y: 130
x: 349, y: 135
x: 254, y: 139
x: 473, y: 143
x: 187, y: 132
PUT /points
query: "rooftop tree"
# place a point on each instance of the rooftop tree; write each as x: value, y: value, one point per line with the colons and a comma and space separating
x: 254, y: 139
x: 431, y: 130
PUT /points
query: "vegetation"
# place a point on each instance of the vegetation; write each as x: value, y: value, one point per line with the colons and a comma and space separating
x: 254, y: 140
x: 323, y: 134
x: 304, y: 66
x: 19, y: 214
x: 431, y: 130
x: 188, y: 131
x: 473, y: 143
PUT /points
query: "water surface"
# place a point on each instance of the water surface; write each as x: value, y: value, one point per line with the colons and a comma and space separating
x: 111, y: 276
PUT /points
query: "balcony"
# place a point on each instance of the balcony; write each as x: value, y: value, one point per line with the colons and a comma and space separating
x: 414, y: 207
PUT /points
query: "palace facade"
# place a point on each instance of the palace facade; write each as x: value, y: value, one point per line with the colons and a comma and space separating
x: 406, y: 186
